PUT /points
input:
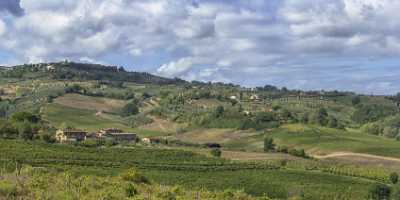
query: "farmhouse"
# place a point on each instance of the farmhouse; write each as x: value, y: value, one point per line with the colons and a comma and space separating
x: 151, y: 140
x: 122, y: 137
x: 106, y: 131
x: 255, y: 97
x: 69, y: 135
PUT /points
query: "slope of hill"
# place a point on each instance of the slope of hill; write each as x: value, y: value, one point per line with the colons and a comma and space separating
x: 82, y: 71
x: 277, y: 134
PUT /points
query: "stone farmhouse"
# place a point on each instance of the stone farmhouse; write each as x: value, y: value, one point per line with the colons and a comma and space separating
x: 70, y: 135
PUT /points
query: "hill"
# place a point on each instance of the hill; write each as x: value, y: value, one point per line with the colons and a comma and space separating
x: 84, y: 71
x: 275, y: 141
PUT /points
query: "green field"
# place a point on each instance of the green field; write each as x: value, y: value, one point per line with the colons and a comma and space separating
x: 325, y: 140
x: 176, y: 167
x: 81, y: 118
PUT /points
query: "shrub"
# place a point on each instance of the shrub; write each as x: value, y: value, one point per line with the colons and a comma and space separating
x: 48, y: 138
x: 298, y: 153
x: 283, y: 149
x: 379, y: 191
x: 216, y: 152
x: 7, y: 190
x: 394, y: 177
x: 132, y: 175
x: 130, y: 109
x: 131, y: 190
x: 269, y: 144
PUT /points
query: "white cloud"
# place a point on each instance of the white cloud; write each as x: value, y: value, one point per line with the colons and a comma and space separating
x: 2, y: 27
x: 213, y: 39
x: 176, y: 68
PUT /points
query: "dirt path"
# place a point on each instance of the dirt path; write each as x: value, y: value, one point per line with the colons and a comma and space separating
x: 356, y: 155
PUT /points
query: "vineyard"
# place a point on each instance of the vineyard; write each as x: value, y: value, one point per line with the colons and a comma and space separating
x: 176, y: 167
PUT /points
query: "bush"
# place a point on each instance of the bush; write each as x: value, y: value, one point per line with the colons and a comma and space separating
x: 394, y: 177
x: 298, y: 153
x: 216, y: 152
x: 283, y: 149
x: 7, y: 190
x: 25, y: 116
x: 48, y: 138
x: 130, y: 109
x: 133, y: 176
x: 379, y: 191
x: 269, y: 144
x: 131, y: 190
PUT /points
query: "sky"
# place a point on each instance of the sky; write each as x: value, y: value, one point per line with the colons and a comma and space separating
x: 351, y: 45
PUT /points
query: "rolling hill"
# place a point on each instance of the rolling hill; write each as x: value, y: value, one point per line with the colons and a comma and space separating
x: 324, y: 144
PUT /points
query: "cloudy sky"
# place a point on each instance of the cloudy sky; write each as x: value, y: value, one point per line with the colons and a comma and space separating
x: 308, y: 44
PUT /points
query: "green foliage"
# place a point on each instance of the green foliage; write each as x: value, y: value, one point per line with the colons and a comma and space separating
x: 371, y: 112
x: 379, y: 192
x: 8, y: 190
x: 299, y: 153
x: 26, y: 130
x: 133, y: 176
x: 131, y: 190
x: 8, y: 130
x: 25, y: 116
x: 332, y: 122
x: 355, y: 100
x: 130, y: 108
x: 216, y: 152
x: 170, y: 167
x: 219, y: 112
x: 48, y: 138
x: 394, y: 177
x: 321, y: 117
x: 269, y: 144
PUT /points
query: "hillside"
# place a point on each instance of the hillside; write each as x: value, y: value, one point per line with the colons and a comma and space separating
x: 261, y: 141
x: 81, y: 71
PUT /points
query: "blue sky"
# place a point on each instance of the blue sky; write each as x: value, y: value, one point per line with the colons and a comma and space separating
x: 300, y: 44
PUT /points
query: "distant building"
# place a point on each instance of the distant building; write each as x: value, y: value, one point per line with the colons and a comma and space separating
x: 122, y: 137
x: 106, y: 131
x: 255, y: 97
x: 50, y: 68
x: 151, y: 140
x: 233, y: 97
x: 117, y: 135
x: 69, y: 135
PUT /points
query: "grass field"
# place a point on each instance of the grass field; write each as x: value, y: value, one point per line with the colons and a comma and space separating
x: 176, y: 167
x: 56, y: 114
x: 90, y: 103
x: 315, y: 140
x: 318, y: 140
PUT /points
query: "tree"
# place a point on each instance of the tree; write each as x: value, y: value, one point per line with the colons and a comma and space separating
x: 48, y: 138
x: 26, y: 131
x: 394, y: 177
x: 321, y: 117
x: 379, y: 191
x: 7, y: 130
x: 269, y: 144
x: 356, y: 100
x: 130, y: 109
x: 216, y: 152
x: 305, y: 118
x: 219, y: 111
x: 25, y: 116
x: 332, y: 122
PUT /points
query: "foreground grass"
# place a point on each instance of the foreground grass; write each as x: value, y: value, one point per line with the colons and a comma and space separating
x: 176, y: 167
x: 42, y: 183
